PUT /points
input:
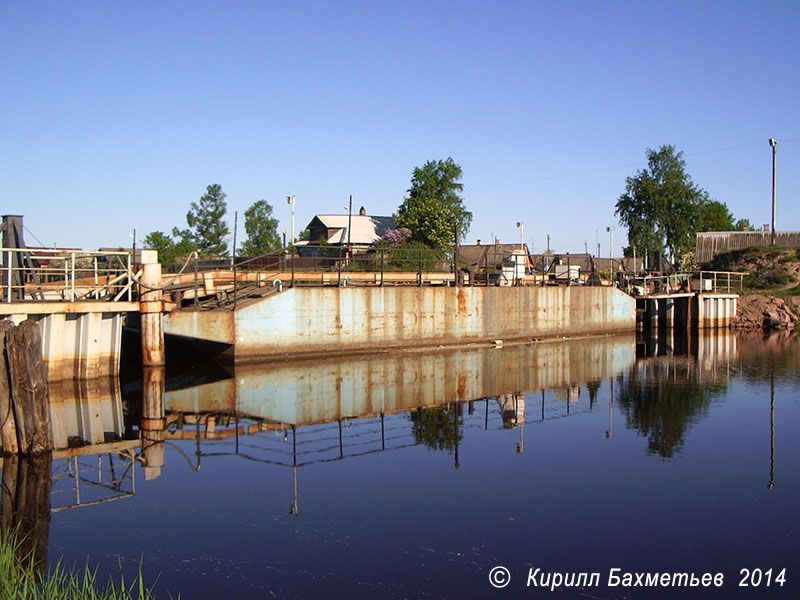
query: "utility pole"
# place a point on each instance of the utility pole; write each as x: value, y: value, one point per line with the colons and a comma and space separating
x: 774, y: 143
x: 290, y: 200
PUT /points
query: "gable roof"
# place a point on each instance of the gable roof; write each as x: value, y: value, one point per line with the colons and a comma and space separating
x: 364, y: 228
x: 477, y: 255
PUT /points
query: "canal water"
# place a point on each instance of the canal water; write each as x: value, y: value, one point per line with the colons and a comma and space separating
x: 583, y: 462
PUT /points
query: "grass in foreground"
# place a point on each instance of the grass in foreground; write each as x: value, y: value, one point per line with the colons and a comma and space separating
x: 20, y: 579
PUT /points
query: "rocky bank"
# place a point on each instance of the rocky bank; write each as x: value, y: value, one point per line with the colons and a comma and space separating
x: 756, y: 311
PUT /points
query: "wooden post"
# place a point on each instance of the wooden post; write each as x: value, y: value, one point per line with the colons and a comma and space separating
x: 153, y: 423
x: 29, y: 388
x: 150, y: 310
x: 8, y: 427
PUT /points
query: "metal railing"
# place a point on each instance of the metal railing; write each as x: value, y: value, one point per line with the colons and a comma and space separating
x: 719, y: 282
x: 722, y: 282
x: 65, y: 275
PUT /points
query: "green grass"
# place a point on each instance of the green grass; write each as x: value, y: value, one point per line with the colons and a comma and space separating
x: 20, y: 579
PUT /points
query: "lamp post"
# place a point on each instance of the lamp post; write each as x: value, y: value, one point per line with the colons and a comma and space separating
x: 774, y: 143
x: 290, y: 200
x: 521, y: 225
x: 610, y: 231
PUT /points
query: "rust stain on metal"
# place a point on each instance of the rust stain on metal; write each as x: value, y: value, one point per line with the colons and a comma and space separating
x: 462, y: 301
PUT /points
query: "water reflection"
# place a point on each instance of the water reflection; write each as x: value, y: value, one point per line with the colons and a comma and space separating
x: 297, y: 414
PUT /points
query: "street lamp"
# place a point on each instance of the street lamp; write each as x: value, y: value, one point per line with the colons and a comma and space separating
x: 521, y: 225
x: 284, y: 238
x: 774, y: 143
x: 290, y: 200
x: 610, y: 231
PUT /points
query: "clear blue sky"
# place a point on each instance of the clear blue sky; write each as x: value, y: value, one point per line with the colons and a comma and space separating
x: 117, y: 115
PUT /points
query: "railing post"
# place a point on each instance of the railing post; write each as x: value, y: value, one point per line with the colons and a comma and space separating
x: 339, y: 278
x: 383, y: 254
x: 130, y: 278
x: 196, y: 290
x: 72, y: 278
x: 8, y: 265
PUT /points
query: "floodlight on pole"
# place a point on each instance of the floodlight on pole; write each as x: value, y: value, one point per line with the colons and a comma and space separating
x: 521, y: 225
x: 610, y: 231
x: 290, y: 200
x: 774, y: 143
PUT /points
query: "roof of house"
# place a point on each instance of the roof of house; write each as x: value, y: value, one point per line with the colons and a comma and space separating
x: 364, y: 229
x: 478, y: 254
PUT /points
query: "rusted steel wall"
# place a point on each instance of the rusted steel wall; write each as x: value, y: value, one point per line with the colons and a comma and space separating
x: 312, y: 391
x: 211, y: 325
x: 319, y: 320
x: 80, y: 340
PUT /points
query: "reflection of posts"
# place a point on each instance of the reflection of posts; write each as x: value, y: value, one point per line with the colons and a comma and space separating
x: 610, y: 432
x: 150, y: 309
x: 153, y: 424
x: 771, y: 483
x: 294, y: 508
x: 26, y: 505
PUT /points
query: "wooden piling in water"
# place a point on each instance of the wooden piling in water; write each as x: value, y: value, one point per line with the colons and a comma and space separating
x: 24, y: 401
x: 28, y: 387
x: 8, y: 424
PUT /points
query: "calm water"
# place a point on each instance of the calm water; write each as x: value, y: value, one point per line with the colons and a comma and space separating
x: 414, y: 475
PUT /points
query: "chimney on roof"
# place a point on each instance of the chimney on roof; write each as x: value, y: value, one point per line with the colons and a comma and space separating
x: 362, y: 212
x: 479, y: 242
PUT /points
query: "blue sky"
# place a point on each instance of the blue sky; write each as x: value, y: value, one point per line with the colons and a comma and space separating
x: 117, y: 115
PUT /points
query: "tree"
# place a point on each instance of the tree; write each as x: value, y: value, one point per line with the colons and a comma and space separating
x: 168, y: 250
x: 158, y: 240
x: 661, y: 204
x: 433, y: 208
x: 744, y: 225
x: 207, y: 231
x: 262, y: 230
x: 430, y: 223
x: 714, y: 216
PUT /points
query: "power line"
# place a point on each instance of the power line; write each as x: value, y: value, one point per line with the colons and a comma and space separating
x: 604, y: 169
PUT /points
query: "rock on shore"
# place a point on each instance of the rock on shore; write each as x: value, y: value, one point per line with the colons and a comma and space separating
x: 755, y: 311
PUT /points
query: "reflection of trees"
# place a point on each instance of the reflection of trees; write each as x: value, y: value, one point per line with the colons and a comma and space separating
x: 763, y: 356
x: 662, y: 398
x: 439, y: 428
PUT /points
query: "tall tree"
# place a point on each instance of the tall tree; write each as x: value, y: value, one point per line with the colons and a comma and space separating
x: 207, y: 230
x: 169, y: 251
x: 661, y: 204
x: 261, y: 229
x: 714, y: 216
x: 433, y: 208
